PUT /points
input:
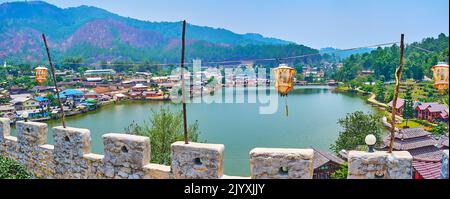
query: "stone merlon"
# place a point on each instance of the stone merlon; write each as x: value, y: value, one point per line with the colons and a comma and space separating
x: 281, y: 163
x: 379, y: 165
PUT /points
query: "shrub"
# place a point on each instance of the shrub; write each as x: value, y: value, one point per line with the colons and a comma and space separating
x: 10, y: 169
x: 165, y: 128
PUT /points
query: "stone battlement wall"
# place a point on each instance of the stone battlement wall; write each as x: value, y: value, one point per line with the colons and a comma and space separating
x: 128, y: 157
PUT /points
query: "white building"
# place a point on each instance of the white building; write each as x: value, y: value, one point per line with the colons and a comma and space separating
x: 100, y: 72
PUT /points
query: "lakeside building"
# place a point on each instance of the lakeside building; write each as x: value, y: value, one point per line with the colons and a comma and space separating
x: 43, y: 102
x: 432, y: 111
x: 99, y: 72
x: 131, y: 82
x: 5, y: 109
x: 325, y: 163
x: 42, y: 89
x: 366, y: 72
x: 92, y: 95
x: 398, y: 106
x: 139, y: 88
x: 94, y: 79
x: 72, y: 95
x: 424, y: 149
x: 25, y: 103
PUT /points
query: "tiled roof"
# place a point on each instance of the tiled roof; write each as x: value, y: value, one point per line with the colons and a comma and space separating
x: 413, y: 143
x: 323, y: 157
x: 431, y: 153
x: 68, y: 92
x: 443, y: 142
x: 428, y: 169
x: 41, y: 99
x: 399, y: 104
x: 437, y: 108
x: 423, y: 106
x: 411, y: 133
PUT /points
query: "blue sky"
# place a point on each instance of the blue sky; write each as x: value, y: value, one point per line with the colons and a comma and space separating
x: 315, y: 23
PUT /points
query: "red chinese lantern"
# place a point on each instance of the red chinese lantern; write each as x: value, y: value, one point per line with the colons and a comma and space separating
x: 284, y: 81
x: 41, y: 74
x: 440, y: 76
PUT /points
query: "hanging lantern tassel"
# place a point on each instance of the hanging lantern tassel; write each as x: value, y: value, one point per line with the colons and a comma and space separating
x: 286, y: 107
x: 284, y: 81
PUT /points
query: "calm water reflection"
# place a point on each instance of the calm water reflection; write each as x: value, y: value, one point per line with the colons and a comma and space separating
x: 313, y: 113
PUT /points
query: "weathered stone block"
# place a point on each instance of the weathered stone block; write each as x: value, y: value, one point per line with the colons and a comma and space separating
x: 156, y: 171
x: 5, y: 128
x: 197, y: 160
x: 94, y: 163
x: 444, y: 168
x: 126, y: 150
x: 379, y: 165
x: 70, y: 146
x: 279, y: 163
x: 31, y: 133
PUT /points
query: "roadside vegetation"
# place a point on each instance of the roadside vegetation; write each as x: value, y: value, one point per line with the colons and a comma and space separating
x: 10, y: 169
x: 164, y: 128
x: 355, y: 127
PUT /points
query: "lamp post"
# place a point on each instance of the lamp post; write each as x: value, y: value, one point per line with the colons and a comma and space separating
x: 370, y: 141
x: 24, y: 116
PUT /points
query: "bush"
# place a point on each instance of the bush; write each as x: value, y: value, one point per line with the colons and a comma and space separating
x: 440, y: 129
x: 10, y: 169
x: 341, y: 173
x: 164, y: 129
x: 355, y: 127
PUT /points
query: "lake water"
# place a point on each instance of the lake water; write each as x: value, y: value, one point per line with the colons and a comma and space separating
x: 313, y: 113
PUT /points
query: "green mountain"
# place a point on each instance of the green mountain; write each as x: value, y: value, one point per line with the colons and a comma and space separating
x: 419, y: 57
x: 339, y: 54
x: 96, y: 35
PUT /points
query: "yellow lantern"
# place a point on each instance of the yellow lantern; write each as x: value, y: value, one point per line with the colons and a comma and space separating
x: 440, y: 75
x: 284, y: 80
x: 41, y: 74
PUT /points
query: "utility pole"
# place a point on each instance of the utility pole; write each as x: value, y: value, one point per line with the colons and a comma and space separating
x: 182, y: 82
x: 398, y: 76
x: 54, y: 80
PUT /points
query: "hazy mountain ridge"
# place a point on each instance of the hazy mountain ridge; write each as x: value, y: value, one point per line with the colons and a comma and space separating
x: 110, y: 36
x: 339, y: 54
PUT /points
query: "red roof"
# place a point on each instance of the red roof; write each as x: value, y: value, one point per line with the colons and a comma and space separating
x: 428, y: 169
x: 423, y: 106
x: 399, y: 104
x: 437, y: 108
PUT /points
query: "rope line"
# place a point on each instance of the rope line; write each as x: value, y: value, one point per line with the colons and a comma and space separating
x: 423, y: 49
x: 237, y: 61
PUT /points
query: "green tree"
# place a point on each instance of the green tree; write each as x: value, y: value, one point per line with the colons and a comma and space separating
x: 356, y: 126
x: 53, y: 99
x: 299, y: 77
x: 165, y: 128
x: 440, y: 129
x: 380, y: 91
x: 10, y: 169
x: 341, y: 173
x: 354, y: 84
x: 408, y: 106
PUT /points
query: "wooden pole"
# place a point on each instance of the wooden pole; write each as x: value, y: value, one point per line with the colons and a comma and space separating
x: 398, y: 76
x: 182, y: 82
x: 54, y: 80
